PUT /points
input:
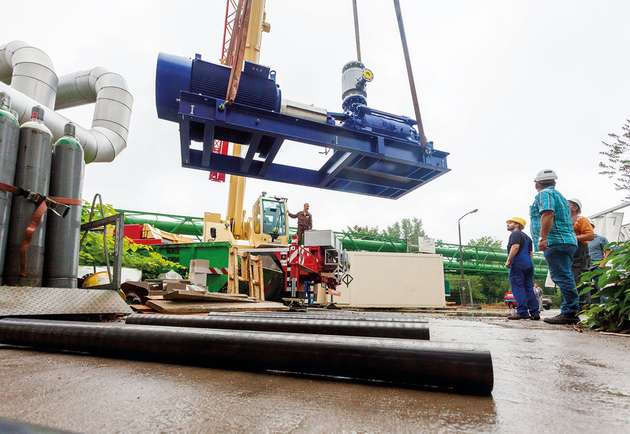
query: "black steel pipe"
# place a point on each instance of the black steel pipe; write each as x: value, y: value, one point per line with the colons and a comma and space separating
x: 406, y: 362
x: 321, y: 315
x: 289, y: 325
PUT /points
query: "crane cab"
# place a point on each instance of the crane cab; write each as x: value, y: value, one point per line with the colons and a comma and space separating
x: 269, y: 224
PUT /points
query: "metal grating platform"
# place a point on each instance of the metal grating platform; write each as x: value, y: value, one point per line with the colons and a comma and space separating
x: 29, y: 301
x: 362, y: 162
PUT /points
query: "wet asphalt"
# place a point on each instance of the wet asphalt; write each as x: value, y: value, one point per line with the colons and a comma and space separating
x: 547, y: 379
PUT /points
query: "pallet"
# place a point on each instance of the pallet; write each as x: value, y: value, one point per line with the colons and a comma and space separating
x: 178, y: 307
x: 245, y: 267
x: 185, y: 295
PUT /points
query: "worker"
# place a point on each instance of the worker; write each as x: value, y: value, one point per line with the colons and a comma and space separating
x: 305, y: 222
x: 597, y: 248
x: 552, y: 233
x: 584, y: 233
x: 539, y: 294
x: 519, y: 262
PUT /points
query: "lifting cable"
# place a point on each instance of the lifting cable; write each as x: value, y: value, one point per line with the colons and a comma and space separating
x: 356, y: 28
x: 412, y: 84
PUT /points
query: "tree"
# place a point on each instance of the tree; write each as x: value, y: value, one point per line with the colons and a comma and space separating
x: 485, y: 241
x: 617, y: 164
x: 364, y: 231
x: 408, y: 229
x: 392, y: 231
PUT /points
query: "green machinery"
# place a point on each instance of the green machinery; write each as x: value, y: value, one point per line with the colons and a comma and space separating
x: 477, y: 260
x: 173, y: 223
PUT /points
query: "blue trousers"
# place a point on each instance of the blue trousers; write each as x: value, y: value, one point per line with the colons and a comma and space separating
x: 560, y: 259
x: 522, y: 283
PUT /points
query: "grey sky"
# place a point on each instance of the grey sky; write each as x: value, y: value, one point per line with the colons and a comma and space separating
x: 507, y: 87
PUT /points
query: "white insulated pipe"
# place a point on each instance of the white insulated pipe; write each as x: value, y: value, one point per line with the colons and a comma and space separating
x: 112, y: 111
x: 30, y: 71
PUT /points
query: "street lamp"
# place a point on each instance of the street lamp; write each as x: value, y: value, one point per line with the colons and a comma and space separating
x: 461, y: 258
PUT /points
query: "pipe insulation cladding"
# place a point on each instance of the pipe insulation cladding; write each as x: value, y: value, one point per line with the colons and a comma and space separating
x: 405, y: 362
x: 28, y: 76
x: 291, y: 325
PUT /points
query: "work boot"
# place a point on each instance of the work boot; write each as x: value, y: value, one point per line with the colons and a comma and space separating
x: 535, y: 317
x: 562, y: 319
x: 517, y: 316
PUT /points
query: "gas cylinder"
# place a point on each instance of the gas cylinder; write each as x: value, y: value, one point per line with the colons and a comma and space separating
x: 61, y: 262
x: 32, y: 173
x: 9, y: 138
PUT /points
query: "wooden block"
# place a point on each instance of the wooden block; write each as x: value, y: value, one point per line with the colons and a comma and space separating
x: 174, y: 307
x: 141, y: 308
x: 185, y: 295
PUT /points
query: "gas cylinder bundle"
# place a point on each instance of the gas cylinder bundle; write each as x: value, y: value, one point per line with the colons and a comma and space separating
x: 40, y: 198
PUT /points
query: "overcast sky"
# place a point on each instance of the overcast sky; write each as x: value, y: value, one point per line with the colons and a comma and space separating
x: 507, y: 87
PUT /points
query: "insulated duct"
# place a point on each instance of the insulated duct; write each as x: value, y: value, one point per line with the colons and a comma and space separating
x: 408, y: 362
x: 33, y: 81
x: 30, y: 71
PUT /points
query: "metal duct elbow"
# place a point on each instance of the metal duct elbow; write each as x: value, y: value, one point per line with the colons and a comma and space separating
x: 29, y: 70
x: 112, y: 113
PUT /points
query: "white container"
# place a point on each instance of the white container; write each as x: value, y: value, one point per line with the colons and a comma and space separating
x: 394, y: 280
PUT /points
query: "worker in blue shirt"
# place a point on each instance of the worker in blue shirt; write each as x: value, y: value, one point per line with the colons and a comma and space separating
x: 519, y: 262
x: 597, y: 248
x: 552, y: 233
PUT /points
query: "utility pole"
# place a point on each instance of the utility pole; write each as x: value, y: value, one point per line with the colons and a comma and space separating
x: 462, y: 285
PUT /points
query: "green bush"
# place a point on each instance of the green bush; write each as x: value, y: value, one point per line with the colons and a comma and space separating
x: 134, y: 255
x: 610, y: 310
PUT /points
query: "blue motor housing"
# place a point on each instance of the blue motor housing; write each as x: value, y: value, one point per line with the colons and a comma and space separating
x: 257, y: 85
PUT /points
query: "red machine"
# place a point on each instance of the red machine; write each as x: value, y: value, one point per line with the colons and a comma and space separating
x: 306, y: 265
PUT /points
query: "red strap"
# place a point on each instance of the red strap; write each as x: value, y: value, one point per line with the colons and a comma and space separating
x: 7, y: 187
x: 66, y: 200
x: 36, y: 220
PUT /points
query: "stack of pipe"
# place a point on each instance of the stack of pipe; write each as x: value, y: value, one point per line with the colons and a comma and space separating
x: 365, y: 349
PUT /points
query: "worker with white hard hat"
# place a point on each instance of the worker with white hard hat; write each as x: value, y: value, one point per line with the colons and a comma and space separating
x: 519, y: 262
x: 584, y: 233
x: 552, y: 233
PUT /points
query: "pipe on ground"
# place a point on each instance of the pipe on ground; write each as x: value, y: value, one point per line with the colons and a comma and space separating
x: 405, y: 362
x: 321, y: 316
x: 377, y: 329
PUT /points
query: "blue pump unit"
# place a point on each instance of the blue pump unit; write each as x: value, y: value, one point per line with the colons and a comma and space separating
x: 375, y: 153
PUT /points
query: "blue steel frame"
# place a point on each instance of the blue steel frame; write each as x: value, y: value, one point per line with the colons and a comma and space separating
x: 362, y: 162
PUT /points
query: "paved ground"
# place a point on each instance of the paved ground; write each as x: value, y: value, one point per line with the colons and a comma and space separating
x: 547, y: 379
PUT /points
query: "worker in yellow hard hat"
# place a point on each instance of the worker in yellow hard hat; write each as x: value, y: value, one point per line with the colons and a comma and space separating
x: 519, y: 262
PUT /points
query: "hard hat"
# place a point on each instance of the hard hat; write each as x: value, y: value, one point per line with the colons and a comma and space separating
x: 96, y: 279
x: 546, y: 175
x: 577, y: 202
x: 520, y: 220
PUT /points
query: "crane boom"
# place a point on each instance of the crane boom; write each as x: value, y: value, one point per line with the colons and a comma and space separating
x: 242, y: 37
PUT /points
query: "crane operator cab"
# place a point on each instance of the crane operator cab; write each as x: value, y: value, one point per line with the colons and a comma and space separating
x: 269, y: 224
